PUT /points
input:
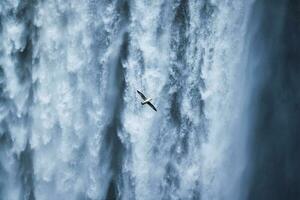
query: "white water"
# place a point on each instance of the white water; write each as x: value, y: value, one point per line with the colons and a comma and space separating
x: 69, y: 93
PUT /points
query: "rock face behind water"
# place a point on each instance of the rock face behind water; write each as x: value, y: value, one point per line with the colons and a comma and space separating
x: 223, y: 75
x: 275, y: 141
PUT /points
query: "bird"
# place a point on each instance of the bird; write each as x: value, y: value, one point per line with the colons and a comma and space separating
x: 146, y: 100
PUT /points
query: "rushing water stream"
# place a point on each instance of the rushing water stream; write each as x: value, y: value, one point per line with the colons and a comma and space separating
x: 71, y: 122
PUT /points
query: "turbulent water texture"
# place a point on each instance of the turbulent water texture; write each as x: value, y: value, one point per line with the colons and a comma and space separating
x: 71, y: 122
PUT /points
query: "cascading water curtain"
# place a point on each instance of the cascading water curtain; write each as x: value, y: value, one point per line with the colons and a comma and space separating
x: 72, y: 125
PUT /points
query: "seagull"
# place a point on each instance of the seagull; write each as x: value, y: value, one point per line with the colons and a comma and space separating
x: 146, y: 100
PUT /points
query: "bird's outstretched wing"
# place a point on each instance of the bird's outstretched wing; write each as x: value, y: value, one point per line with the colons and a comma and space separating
x: 142, y: 95
x: 151, y: 105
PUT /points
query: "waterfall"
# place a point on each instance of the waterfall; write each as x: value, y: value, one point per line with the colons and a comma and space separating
x: 71, y: 122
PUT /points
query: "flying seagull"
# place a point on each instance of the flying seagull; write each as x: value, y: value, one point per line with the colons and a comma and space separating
x: 146, y: 100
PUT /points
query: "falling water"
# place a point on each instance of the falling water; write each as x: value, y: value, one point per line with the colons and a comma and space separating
x: 71, y: 123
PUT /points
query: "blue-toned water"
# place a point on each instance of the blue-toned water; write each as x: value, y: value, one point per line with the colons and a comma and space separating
x: 71, y: 122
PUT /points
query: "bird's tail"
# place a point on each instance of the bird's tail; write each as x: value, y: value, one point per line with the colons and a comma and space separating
x: 143, y: 103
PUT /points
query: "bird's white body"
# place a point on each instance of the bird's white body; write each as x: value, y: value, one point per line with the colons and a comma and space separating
x: 146, y: 101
